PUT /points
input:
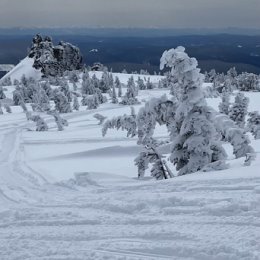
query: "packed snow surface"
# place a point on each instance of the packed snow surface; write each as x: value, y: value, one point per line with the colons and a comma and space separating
x: 25, y: 67
x: 74, y: 195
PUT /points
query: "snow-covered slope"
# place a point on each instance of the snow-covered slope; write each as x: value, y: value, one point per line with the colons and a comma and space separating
x: 74, y: 195
x: 25, y: 67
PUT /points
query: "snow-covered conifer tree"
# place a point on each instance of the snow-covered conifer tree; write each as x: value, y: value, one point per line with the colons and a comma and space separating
x: 2, y: 94
x: 253, y: 124
x: 62, y: 105
x: 125, y: 122
x: 92, y: 101
x: 193, y: 132
x: 150, y: 155
x: 140, y: 84
x: 225, y: 103
x: 40, y: 123
x: 75, y: 103
x: 130, y: 96
x: 114, y: 96
x: 61, y: 122
x: 238, y: 111
x: 119, y: 86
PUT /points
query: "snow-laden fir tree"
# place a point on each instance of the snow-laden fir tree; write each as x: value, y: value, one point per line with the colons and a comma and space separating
x: 46, y: 86
x: 2, y: 94
x: 41, y: 125
x: 101, y: 98
x: 150, y: 155
x: 118, y: 85
x: 253, y: 124
x: 66, y: 89
x: 114, y: 96
x: 149, y: 84
x: 75, y: 104
x: 60, y: 122
x: 131, y: 93
x: 225, y: 103
x: 40, y: 100
x: 105, y: 83
x: 125, y: 122
x: 193, y: 133
x: 248, y: 82
x: 88, y: 86
x: 233, y: 134
x: 62, y: 105
x: 140, y: 84
x: 92, y: 101
x: 239, y: 109
x: 6, y: 82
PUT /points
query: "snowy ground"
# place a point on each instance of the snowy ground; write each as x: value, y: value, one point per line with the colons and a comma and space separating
x: 74, y: 195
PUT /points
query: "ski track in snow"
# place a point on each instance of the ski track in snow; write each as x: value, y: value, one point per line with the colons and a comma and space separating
x: 107, y: 216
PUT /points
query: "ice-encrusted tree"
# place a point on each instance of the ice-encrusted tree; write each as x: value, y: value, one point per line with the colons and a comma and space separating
x: 253, y: 124
x: 88, y: 87
x: 125, y: 122
x: 238, y: 111
x: 40, y: 100
x: 131, y: 93
x: 41, y: 125
x: 92, y: 101
x: 140, y: 84
x: 66, y: 89
x: 225, y: 103
x: 114, y: 96
x: 75, y: 104
x: 233, y: 134
x: 118, y: 85
x: 2, y: 94
x: 193, y: 133
x: 62, y: 105
x: 60, y: 122
x: 150, y: 155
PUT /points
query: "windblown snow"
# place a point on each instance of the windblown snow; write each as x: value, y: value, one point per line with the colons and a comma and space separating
x: 74, y: 195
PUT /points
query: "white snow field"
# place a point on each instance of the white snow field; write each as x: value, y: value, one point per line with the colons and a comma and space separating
x: 74, y: 195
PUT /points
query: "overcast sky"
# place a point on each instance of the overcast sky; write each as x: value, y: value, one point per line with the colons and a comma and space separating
x: 130, y: 13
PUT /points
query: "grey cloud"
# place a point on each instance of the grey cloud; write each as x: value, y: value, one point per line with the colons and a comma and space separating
x: 134, y: 13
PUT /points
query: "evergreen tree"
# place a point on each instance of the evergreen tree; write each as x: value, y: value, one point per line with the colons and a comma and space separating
x: 40, y: 123
x: 253, y: 124
x: 114, y: 97
x: 193, y: 132
x: 225, y: 103
x: 2, y: 94
x: 119, y: 86
x: 75, y: 103
x: 62, y: 105
x: 238, y: 111
x: 130, y: 97
x: 140, y: 84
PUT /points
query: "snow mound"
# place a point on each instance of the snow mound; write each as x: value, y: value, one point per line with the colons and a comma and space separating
x: 25, y: 67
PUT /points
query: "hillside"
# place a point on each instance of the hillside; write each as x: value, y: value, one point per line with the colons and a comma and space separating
x: 75, y: 194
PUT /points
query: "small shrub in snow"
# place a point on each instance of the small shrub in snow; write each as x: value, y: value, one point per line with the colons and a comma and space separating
x: 40, y: 123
